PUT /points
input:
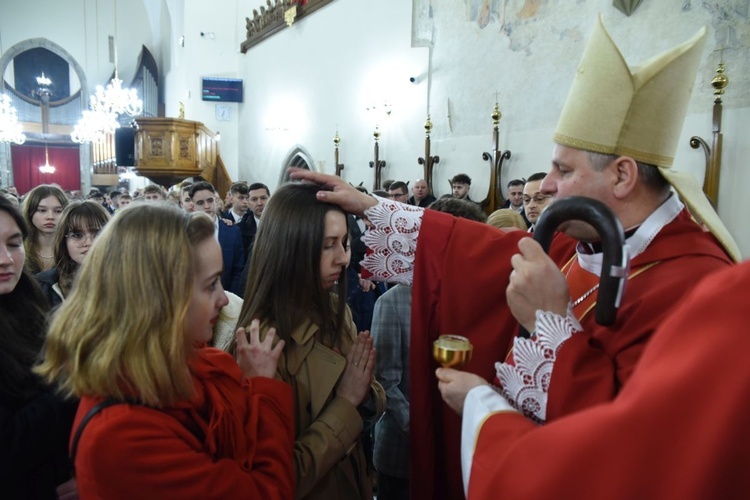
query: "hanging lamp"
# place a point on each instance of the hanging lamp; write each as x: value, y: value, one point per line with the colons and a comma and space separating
x: 46, y: 168
x: 106, y: 105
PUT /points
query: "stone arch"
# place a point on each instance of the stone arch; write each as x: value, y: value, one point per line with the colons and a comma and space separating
x: 33, y: 43
x: 298, y: 157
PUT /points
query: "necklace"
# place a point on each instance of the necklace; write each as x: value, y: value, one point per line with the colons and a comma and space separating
x: 586, y: 294
x: 44, y: 257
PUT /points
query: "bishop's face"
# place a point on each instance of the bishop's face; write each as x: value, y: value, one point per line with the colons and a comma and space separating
x: 573, y: 175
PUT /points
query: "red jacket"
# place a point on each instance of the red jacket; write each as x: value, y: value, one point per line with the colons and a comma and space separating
x: 233, y: 439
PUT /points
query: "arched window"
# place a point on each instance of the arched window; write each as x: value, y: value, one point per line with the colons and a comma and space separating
x: 299, y: 158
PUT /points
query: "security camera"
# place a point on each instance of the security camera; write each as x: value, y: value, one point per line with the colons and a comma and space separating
x: 415, y: 79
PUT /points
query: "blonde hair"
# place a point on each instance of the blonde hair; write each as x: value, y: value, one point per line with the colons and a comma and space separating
x: 120, y: 334
x: 505, y: 218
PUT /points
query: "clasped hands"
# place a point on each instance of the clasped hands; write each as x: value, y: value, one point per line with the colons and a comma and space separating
x: 354, y: 385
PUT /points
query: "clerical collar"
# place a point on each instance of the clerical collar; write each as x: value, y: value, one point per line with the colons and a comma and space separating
x: 597, y: 247
x: 637, y: 239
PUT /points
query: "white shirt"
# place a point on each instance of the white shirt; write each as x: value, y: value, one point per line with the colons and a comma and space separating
x: 237, y: 218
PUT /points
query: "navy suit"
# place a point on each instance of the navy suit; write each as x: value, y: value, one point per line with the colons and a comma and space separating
x: 233, y: 255
x: 247, y: 226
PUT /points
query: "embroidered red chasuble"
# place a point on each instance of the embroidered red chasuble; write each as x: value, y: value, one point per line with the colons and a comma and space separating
x: 461, y: 273
x: 677, y: 429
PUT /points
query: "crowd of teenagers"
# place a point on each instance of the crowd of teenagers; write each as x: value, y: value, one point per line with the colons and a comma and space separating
x: 109, y: 370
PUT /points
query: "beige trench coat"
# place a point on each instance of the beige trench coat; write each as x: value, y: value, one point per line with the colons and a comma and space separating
x: 329, y: 460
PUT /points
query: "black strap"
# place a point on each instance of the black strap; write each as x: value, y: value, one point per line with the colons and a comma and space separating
x: 91, y: 414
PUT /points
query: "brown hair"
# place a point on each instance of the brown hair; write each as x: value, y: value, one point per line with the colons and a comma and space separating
x: 30, y: 206
x: 22, y: 323
x: 77, y: 215
x: 284, y: 284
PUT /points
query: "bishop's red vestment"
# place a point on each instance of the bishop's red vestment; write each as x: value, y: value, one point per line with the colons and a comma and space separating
x: 461, y: 271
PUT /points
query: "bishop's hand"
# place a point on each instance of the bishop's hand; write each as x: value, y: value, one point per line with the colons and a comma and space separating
x: 535, y: 284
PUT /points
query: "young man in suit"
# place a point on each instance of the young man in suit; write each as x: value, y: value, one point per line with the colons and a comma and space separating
x: 203, y: 196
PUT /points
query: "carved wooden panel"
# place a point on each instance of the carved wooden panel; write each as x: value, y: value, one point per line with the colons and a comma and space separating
x: 270, y: 19
x: 184, y: 148
x: 156, y: 146
x: 169, y: 149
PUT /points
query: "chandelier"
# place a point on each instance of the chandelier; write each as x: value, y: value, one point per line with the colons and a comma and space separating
x: 43, y: 81
x: 10, y: 129
x: 94, y: 126
x: 105, y: 106
x: 115, y: 99
x: 46, y: 168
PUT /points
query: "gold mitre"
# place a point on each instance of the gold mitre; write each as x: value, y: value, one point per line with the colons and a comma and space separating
x: 638, y: 112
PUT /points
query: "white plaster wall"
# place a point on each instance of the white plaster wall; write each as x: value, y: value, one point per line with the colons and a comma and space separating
x: 305, y: 82
x: 313, y: 76
x: 214, y: 54
x: 320, y: 75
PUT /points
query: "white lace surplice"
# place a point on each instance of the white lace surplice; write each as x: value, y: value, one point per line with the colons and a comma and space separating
x: 526, y: 383
x: 393, y: 241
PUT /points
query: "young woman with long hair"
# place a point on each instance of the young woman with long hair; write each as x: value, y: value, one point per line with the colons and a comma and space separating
x: 296, y: 287
x: 79, y: 225
x: 34, y: 422
x: 42, y: 209
x: 185, y: 421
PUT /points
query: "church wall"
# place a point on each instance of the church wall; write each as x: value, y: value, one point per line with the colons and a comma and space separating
x: 322, y: 74
x: 82, y: 28
x: 308, y: 79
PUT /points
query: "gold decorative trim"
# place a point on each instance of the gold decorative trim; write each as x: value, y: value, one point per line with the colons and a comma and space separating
x: 650, y: 158
x: 632, y: 275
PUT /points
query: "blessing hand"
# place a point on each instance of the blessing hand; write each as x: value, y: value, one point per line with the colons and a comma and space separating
x: 339, y: 191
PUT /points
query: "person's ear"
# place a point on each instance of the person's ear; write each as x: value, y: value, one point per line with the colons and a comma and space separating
x: 625, y: 170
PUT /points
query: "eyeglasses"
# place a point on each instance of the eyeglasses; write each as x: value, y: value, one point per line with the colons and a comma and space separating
x: 540, y: 198
x: 79, y: 237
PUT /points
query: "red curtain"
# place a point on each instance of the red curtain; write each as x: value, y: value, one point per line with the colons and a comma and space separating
x: 26, y: 162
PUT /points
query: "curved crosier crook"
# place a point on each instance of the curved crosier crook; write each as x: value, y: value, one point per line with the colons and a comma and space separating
x: 615, y: 262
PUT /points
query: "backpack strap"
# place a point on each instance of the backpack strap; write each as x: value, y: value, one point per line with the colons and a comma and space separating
x: 91, y: 414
